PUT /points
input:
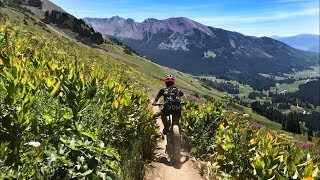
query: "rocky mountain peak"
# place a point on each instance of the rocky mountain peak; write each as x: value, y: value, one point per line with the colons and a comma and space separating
x: 116, y: 18
x: 182, y: 25
x: 130, y: 20
x: 150, y: 20
x: 128, y: 28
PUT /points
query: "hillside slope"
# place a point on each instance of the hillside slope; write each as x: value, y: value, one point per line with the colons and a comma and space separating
x: 188, y: 46
x: 148, y: 74
x: 306, y: 42
x: 40, y: 7
x: 68, y: 112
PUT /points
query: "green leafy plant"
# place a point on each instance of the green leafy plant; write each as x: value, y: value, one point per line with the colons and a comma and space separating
x: 64, y: 121
x: 199, y: 124
x: 233, y: 150
x: 230, y: 148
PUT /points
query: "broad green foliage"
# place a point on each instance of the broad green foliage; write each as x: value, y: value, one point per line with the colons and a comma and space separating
x: 231, y: 145
x: 233, y: 148
x: 63, y: 119
x: 199, y: 122
x: 283, y: 160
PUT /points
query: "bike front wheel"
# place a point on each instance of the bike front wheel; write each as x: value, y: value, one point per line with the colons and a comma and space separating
x: 176, y: 144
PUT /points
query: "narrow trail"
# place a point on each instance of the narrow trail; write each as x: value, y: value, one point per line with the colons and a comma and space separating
x: 160, y: 169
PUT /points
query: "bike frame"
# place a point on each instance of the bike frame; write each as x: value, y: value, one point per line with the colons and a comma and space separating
x: 173, y: 147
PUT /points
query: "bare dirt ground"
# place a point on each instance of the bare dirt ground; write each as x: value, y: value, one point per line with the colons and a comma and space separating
x: 161, y: 169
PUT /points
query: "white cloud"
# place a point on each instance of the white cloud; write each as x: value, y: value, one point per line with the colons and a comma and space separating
x: 295, y: 1
x: 267, y: 17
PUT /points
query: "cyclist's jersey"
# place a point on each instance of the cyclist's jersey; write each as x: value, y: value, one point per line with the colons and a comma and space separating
x: 167, y: 94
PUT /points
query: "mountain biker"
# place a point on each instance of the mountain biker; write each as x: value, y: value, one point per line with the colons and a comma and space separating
x: 171, y: 95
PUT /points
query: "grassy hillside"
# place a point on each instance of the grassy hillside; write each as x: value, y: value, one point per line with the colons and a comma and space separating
x: 184, y: 81
x: 150, y: 72
x: 61, y: 43
x: 68, y: 112
x: 146, y: 73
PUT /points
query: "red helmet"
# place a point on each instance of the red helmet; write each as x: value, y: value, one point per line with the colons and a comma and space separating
x: 169, y: 78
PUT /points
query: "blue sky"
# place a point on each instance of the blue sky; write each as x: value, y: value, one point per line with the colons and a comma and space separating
x: 250, y: 17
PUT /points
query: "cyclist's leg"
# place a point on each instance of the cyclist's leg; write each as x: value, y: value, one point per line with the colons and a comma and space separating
x: 176, y: 117
x: 165, y: 121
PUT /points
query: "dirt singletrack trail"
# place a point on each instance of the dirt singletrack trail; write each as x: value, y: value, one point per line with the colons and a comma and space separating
x: 161, y: 169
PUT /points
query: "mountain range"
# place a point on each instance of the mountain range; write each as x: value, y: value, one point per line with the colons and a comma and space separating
x: 189, y: 46
x: 306, y: 42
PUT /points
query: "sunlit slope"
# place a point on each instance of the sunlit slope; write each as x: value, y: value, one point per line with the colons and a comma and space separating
x: 148, y: 73
x: 153, y: 70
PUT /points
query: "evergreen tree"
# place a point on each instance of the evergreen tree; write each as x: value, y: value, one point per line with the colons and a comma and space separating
x: 35, y: 3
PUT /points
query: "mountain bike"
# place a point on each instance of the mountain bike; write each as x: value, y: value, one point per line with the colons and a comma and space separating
x: 173, y: 147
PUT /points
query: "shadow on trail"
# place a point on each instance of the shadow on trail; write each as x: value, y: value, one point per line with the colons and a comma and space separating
x: 176, y: 165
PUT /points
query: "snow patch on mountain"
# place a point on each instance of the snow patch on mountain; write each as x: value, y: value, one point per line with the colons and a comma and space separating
x: 175, y: 42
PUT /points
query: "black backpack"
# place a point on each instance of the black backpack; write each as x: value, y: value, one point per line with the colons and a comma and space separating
x: 172, y: 95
